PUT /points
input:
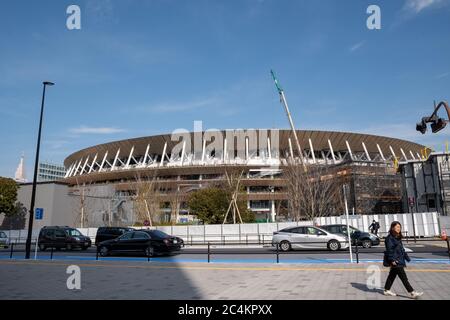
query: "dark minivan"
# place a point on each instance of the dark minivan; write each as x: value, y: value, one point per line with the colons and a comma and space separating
x: 108, y: 233
x: 148, y: 242
x: 62, y: 237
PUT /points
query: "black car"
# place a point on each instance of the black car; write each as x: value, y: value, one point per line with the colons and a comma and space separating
x: 108, y: 233
x: 148, y: 242
x: 364, y: 239
x: 62, y: 237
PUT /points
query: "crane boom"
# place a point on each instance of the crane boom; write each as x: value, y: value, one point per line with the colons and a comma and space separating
x: 286, y: 108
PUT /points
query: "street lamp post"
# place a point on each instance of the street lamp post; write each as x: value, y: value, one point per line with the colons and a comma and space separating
x: 33, y: 192
x: 348, y: 225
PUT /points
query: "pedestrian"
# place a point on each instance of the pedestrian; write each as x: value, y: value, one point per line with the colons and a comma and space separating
x: 377, y: 226
x: 372, y: 226
x: 395, y: 257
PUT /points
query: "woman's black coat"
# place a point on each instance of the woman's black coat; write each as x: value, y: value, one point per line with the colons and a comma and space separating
x: 395, y: 251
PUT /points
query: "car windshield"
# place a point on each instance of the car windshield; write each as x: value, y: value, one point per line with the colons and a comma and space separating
x: 74, y: 232
x: 352, y: 229
x: 158, y: 234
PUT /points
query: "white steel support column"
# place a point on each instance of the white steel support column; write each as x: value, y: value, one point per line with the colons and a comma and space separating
x: 290, y: 148
x: 93, y: 163
x: 144, y: 161
x: 78, y: 167
x: 163, y: 155
x: 312, y: 151
x: 203, y: 151
x: 268, y: 148
x: 412, y: 155
x: 127, y: 165
x: 349, y: 150
x: 367, y: 153
x: 332, y: 151
x: 418, y: 156
x: 381, y: 152
x: 68, y: 171
x: 393, y: 153
x: 246, y: 148
x: 113, y: 167
x: 103, y: 161
x: 182, y: 151
x: 403, y: 153
x: 224, y: 150
x: 84, y: 165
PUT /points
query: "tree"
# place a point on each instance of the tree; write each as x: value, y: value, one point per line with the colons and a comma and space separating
x: 146, y: 202
x: 8, y: 196
x: 313, y: 191
x: 210, y: 204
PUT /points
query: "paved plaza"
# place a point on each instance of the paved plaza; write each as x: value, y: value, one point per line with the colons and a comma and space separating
x: 21, y: 279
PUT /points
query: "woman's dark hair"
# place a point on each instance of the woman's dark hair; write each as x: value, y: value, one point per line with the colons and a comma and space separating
x: 392, y: 232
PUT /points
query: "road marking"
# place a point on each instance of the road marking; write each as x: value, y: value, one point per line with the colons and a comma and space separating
x: 192, y: 267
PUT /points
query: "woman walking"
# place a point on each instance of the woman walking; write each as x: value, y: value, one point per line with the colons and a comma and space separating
x: 395, y: 258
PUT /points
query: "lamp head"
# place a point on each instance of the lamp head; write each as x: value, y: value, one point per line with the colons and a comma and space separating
x: 48, y: 83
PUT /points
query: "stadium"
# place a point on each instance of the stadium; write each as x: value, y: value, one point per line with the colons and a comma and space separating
x: 182, y: 162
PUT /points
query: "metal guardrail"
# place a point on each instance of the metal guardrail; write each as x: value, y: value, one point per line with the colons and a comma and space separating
x: 210, y: 249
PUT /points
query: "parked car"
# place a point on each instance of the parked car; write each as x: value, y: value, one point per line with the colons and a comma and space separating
x: 364, y: 239
x: 62, y: 237
x: 108, y: 233
x: 4, y: 240
x: 308, y: 237
x: 148, y: 242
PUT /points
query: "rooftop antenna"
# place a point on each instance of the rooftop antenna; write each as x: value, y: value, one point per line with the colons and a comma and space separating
x: 286, y: 108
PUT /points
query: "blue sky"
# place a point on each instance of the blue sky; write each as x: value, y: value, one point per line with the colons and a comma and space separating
x: 139, y: 68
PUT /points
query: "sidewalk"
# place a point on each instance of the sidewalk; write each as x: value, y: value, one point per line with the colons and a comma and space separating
x: 134, y: 280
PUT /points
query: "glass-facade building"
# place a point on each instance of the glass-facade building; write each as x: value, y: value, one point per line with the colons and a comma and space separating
x: 50, y: 172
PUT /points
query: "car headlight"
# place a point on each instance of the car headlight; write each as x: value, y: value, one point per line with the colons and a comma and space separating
x: 373, y: 237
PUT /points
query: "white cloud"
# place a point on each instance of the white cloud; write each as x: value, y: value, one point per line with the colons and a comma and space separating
x: 356, y: 46
x: 416, y: 6
x: 95, y: 130
x: 442, y: 75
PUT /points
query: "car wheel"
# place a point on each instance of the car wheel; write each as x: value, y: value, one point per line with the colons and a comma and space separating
x: 366, y: 244
x: 42, y: 247
x: 285, y: 246
x: 149, y: 251
x: 68, y: 247
x: 333, y: 245
x: 103, y: 251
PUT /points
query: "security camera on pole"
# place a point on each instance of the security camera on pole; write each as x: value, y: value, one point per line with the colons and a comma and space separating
x: 348, y: 226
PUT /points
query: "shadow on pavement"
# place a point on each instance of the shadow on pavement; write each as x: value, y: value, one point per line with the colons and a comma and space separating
x: 363, y: 287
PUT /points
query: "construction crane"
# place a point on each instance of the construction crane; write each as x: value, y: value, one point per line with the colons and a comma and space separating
x: 286, y: 108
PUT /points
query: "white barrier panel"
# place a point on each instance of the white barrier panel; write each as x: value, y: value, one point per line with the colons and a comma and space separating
x: 427, y: 224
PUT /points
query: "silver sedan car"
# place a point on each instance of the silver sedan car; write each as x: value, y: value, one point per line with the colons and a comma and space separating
x: 308, y: 237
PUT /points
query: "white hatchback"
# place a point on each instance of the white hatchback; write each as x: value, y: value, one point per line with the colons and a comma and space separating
x: 308, y: 237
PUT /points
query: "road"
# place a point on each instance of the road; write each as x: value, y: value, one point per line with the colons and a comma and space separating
x: 420, y: 253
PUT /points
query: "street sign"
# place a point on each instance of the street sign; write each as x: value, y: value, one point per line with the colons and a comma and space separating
x: 39, y: 213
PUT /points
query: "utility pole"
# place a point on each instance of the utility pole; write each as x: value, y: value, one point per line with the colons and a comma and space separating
x: 36, y: 163
x: 286, y: 108
x: 348, y: 226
